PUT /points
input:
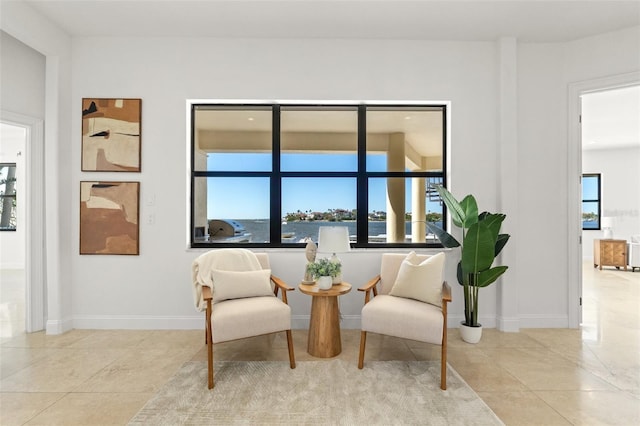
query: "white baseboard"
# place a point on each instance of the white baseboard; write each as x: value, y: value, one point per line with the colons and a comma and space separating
x: 299, y: 322
x: 11, y: 265
x: 544, y: 321
x: 351, y: 322
x: 138, y: 322
x: 453, y: 321
x: 348, y: 322
x: 59, y: 326
x: 509, y: 325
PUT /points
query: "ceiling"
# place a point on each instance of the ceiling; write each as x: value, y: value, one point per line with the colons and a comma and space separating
x: 529, y: 21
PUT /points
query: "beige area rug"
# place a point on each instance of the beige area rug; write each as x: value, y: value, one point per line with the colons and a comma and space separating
x: 316, y: 393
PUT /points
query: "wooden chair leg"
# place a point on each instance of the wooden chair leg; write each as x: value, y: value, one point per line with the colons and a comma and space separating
x: 210, y: 363
x: 292, y: 358
x: 443, y: 361
x: 208, y: 337
x: 363, y: 342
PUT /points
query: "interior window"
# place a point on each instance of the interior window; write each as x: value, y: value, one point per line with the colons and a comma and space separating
x: 8, y: 197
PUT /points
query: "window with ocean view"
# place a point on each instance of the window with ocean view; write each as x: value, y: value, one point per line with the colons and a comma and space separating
x: 591, y: 201
x: 269, y: 175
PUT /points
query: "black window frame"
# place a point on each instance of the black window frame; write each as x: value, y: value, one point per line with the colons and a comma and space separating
x: 275, y: 176
x: 598, y: 176
x: 13, y: 196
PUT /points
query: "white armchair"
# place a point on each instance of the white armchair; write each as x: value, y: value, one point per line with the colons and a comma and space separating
x: 408, y: 299
x: 633, y: 252
x: 236, y: 290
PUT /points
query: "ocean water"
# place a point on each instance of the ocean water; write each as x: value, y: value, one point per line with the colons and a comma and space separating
x: 586, y: 224
x: 297, y: 231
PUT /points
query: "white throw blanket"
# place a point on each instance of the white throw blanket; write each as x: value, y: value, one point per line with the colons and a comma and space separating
x: 222, y: 259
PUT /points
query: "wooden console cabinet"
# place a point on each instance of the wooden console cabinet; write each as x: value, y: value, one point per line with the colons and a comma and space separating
x: 610, y: 253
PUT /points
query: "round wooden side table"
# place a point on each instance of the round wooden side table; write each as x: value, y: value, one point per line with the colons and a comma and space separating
x: 324, y: 327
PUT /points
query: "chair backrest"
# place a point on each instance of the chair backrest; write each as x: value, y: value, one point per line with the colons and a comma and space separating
x: 263, y: 258
x: 389, y: 267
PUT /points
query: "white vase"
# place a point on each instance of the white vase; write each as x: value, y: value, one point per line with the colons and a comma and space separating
x: 325, y: 283
x: 470, y: 334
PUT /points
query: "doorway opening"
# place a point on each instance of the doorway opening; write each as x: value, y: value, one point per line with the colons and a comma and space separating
x: 13, y: 140
x: 603, y: 141
x: 29, y: 244
x: 610, y: 150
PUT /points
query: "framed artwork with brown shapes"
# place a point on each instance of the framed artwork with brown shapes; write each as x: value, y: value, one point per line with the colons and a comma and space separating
x: 111, y: 135
x: 109, y: 218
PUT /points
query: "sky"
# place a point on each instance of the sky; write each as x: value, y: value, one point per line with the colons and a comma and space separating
x: 248, y: 198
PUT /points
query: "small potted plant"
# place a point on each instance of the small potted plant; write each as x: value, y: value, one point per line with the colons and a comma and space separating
x: 324, y: 270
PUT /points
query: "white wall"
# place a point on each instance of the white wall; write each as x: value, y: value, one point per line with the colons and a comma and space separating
x: 620, y: 180
x: 22, y: 78
x: 463, y: 73
x: 152, y: 290
x: 542, y: 160
x: 545, y: 71
x: 29, y: 27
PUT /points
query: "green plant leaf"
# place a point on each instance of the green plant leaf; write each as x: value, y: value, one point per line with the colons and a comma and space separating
x: 490, y: 276
x: 479, y: 247
x: 445, y: 238
x: 470, y: 209
x: 501, y: 242
x: 494, y: 221
x: 456, y: 211
x: 324, y: 267
x: 459, y: 273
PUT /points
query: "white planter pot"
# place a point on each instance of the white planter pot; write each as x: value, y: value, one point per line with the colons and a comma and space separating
x: 470, y: 334
x: 325, y: 283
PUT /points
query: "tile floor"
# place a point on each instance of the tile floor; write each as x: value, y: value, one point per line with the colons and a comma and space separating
x: 589, y: 376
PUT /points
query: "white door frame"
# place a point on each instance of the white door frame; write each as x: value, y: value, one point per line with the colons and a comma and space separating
x: 574, y: 169
x: 34, y: 214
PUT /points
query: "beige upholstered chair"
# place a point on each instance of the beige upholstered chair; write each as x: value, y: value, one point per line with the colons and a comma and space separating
x: 236, y: 290
x: 402, y: 316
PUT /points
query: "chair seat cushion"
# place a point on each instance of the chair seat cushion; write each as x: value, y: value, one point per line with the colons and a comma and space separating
x: 401, y: 317
x: 240, y: 318
x: 420, y: 280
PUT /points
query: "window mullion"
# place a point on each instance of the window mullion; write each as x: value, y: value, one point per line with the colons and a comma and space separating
x: 362, y: 182
x: 275, y: 222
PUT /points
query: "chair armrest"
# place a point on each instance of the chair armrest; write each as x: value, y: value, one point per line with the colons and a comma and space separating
x: 446, y: 293
x: 369, y: 287
x: 206, y: 293
x: 370, y: 284
x: 281, y: 285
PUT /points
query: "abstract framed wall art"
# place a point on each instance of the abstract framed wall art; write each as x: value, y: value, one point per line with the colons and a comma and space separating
x: 109, y: 217
x: 111, y: 135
